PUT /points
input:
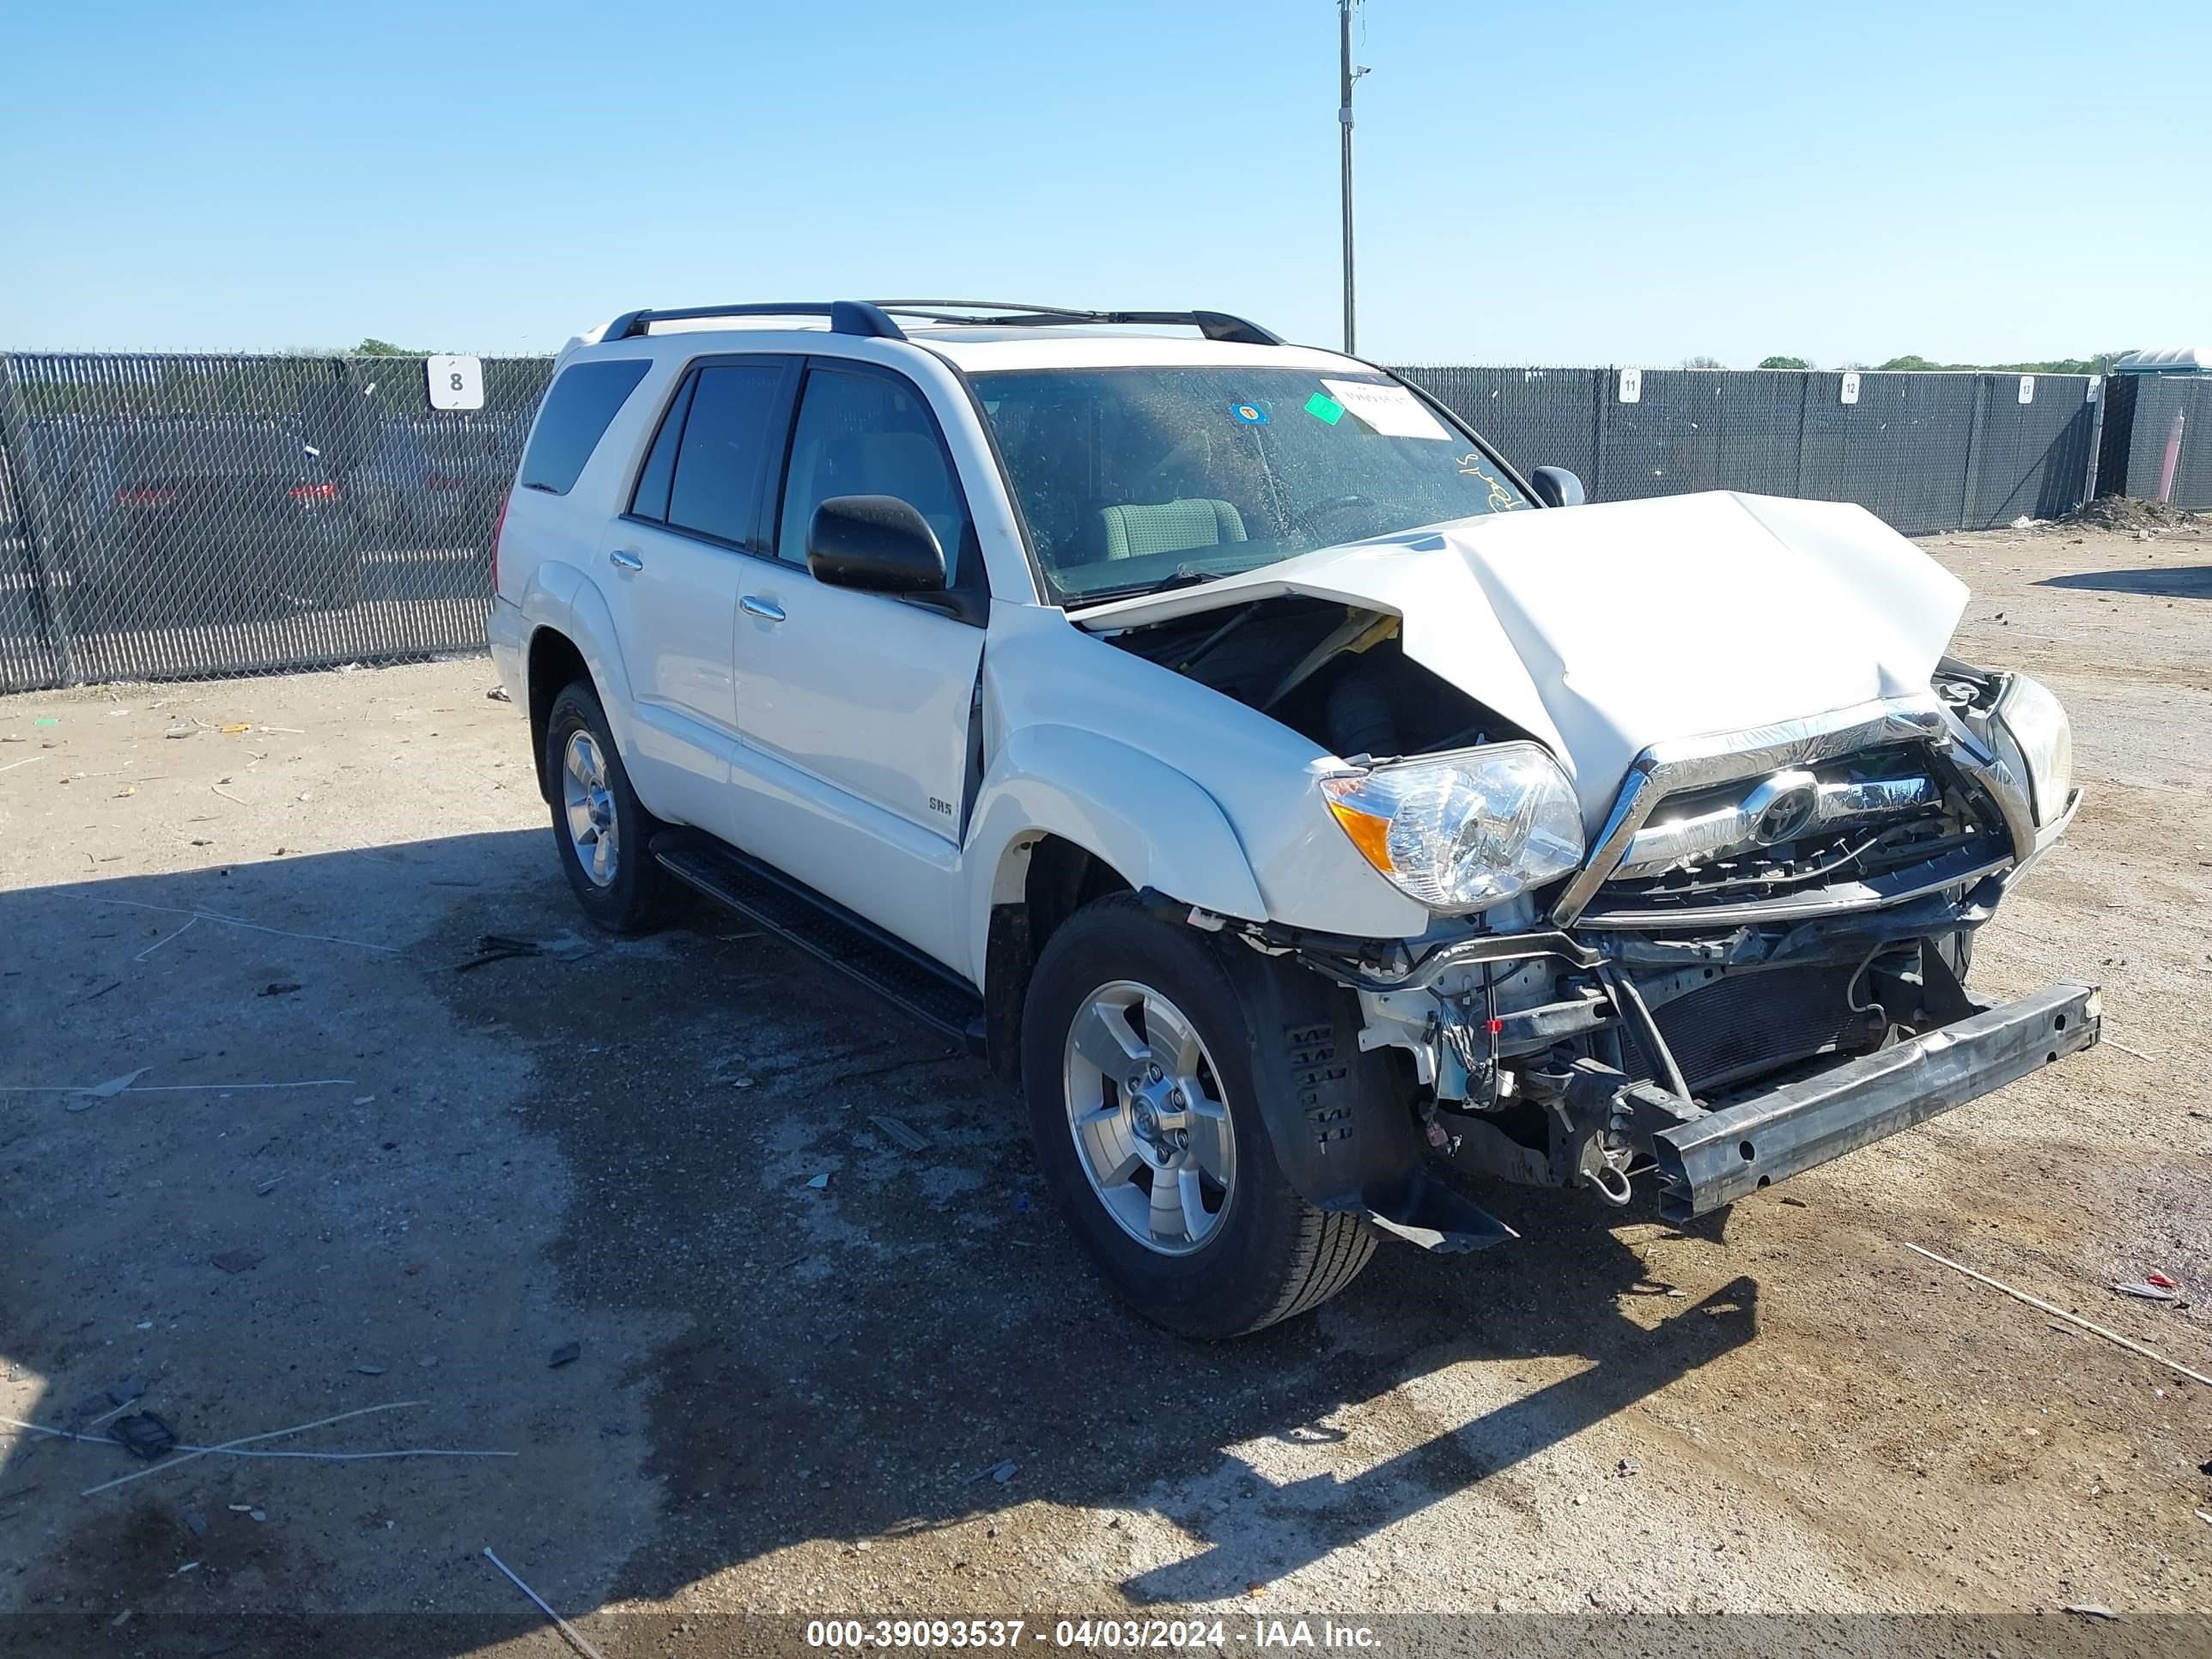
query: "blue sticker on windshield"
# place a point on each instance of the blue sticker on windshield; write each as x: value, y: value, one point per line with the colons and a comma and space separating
x: 1250, y: 413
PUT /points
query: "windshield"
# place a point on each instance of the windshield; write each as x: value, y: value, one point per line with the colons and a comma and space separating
x: 1128, y: 478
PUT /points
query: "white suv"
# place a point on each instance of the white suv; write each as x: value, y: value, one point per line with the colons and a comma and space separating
x: 1228, y: 741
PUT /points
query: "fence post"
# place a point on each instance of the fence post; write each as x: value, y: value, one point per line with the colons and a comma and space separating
x: 35, y: 521
x: 1601, y: 418
x: 2104, y: 385
x: 1973, y: 453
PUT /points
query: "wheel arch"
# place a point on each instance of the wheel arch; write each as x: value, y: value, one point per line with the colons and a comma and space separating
x: 1067, y: 815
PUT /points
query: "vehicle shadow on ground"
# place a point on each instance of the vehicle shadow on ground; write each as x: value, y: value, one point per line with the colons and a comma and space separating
x: 2189, y: 581
x: 851, y: 1357
x: 866, y: 1356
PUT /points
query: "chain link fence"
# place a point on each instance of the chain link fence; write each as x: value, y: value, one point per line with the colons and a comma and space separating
x: 173, y: 516
x: 169, y: 517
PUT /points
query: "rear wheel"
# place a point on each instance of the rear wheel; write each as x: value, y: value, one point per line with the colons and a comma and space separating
x: 1143, y: 1103
x: 599, y: 826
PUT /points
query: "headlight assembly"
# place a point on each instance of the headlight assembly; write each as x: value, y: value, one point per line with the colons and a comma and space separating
x: 2034, y: 738
x: 1466, y: 833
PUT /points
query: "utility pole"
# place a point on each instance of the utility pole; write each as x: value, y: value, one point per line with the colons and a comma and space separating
x: 1344, y: 124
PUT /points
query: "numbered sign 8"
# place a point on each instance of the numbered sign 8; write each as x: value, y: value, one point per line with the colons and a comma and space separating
x: 454, y: 382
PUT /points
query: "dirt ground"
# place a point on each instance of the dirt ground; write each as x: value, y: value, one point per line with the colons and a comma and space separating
x: 348, y: 1172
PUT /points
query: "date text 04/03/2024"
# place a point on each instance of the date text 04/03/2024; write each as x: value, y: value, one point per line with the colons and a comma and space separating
x: 1168, y: 1635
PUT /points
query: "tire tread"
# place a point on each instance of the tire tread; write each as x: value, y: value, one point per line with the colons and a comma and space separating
x: 1332, y: 1250
x: 1326, y: 1249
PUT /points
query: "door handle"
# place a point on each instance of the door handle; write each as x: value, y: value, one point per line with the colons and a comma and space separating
x: 766, y: 610
x: 623, y: 559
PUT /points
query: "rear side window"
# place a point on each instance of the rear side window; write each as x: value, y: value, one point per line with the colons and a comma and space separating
x: 579, y: 409
x: 723, y: 451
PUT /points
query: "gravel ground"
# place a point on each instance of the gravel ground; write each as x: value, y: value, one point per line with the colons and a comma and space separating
x: 347, y: 1174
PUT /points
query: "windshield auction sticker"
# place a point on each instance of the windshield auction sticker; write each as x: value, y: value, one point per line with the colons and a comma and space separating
x: 1391, y: 410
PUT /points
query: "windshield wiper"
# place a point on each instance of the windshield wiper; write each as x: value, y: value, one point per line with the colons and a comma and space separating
x: 1182, y: 576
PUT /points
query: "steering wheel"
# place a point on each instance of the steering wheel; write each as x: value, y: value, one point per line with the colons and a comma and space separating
x: 1304, y: 517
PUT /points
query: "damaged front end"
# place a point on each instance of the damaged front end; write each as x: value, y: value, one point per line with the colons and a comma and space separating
x: 1759, y: 965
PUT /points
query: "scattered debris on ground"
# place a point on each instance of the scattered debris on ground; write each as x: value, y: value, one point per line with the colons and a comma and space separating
x: 2143, y: 1288
x: 2130, y: 513
x: 144, y: 1434
x: 504, y: 947
x: 567, y: 1629
x: 901, y: 1131
x: 2128, y: 1343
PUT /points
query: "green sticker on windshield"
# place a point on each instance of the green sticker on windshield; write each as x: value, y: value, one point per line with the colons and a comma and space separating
x: 1324, y: 409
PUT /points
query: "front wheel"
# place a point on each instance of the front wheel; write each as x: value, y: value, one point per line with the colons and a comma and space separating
x: 1142, y: 1100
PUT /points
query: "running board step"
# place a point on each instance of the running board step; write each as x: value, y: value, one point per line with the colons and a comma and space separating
x: 916, y: 987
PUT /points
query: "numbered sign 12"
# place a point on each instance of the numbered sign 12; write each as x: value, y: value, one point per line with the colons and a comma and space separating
x: 454, y: 382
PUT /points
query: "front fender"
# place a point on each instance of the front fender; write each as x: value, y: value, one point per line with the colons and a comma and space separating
x: 1150, y: 823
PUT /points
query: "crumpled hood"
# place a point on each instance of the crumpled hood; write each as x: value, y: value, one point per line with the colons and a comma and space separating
x: 1603, y: 629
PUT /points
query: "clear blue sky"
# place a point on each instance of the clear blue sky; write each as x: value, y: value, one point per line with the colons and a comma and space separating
x: 1538, y: 183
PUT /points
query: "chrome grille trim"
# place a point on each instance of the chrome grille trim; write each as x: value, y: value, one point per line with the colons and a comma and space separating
x: 1658, y: 847
x: 1666, y: 768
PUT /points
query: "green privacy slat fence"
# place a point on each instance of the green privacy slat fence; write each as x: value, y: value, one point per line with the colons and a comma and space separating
x: 1926, y: 451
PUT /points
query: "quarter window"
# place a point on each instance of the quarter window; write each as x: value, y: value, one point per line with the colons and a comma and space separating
x: 578, y: 408
x: 867, y: 435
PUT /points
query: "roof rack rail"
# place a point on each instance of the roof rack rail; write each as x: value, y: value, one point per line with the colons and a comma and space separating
x: 845, y: 317
x: 1008, y: 314
x: 874, y: 320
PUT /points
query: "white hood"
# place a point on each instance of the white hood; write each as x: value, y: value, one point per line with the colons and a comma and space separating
x: 1602, y: 630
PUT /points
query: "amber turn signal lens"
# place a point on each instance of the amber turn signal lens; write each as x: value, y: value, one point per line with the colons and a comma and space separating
x: 1369, y: 834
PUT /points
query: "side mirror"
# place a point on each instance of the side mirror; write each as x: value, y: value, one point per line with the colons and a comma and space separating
x: 877, y: 544
x: 1557, y: 487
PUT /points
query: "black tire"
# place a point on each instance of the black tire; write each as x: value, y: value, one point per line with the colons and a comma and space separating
x: 1272, y: 1255
x: 640, y: 894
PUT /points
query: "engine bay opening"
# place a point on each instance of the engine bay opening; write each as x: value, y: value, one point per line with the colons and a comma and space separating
x: 1337, y: 675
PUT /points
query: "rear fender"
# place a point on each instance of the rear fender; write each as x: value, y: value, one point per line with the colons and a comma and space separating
x: 561, y: 599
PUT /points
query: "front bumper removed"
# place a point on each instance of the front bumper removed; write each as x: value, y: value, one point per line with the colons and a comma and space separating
x: 1727, y: 1154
